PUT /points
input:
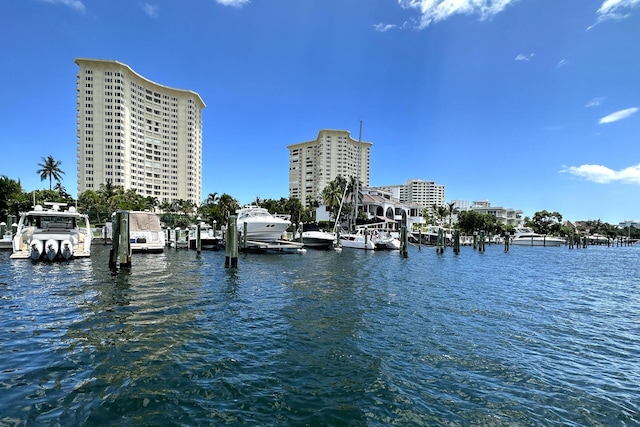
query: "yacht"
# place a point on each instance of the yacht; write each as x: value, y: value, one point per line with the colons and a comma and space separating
x: 314, y: 237
x: 525, y: 236
x: 145, y: 232
x: 52, y: 234
x: 261, y: 225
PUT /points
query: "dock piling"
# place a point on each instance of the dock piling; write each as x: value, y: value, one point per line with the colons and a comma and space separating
x: 231, y: 249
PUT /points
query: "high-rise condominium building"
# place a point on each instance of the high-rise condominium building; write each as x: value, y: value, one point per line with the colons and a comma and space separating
x: 313, y: 164
x: 424, y: 193
x: 137, y: 134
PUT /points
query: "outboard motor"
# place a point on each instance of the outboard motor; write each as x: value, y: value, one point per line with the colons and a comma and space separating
x: 66, y: 250
x: 36, y: 249
x: 51, y: 249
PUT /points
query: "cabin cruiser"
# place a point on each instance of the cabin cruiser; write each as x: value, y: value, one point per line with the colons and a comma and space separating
x: 145, y: 232
x: 52, y: 234
x: 261, y: 225
x: 525, y: 236
x: 314, y: 237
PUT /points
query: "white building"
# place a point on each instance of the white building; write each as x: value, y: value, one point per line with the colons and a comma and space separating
x: 313, y: 164
x: 137, y: 134
x: 508, y: 216
x: 422, y: 193
x: 381, y: 209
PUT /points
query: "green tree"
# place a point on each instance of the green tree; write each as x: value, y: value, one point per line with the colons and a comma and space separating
x: 450, y: 209
x: 50, y: 168
x: 10, y: 192
x: 545, y: 222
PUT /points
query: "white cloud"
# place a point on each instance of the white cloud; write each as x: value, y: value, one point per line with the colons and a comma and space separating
x: 151, y: 10
x: 73, y: 4
x: 384, y: 27
x: 234, y: 3
x: 522, y: 57
x: 618, y: 115
x: 604, y: 175
x: 614, y: 9
x: 562, y: 63
x: 439, y: 10
x: 595, y: 102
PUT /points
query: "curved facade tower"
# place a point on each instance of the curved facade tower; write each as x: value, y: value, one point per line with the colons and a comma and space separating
x: 137, y: 134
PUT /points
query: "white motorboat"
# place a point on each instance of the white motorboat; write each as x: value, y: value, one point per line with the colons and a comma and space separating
x: 429, y: 235
x: 145, y: 232
x: 358, y: 240
x: 52, y: 234
x: 598, y: 239
x: 5, y: 242
x: 384, y: 239
x: 208, y: 239
x: 525, y: 236
x: 314, y: 237
x: 261, y: 225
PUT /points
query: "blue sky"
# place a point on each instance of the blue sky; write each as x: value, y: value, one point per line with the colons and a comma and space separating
x: 530, y: 104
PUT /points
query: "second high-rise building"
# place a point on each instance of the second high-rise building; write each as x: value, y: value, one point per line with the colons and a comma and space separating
x: 313, y: 164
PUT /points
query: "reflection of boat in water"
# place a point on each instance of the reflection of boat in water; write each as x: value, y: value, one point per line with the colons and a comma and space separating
x: 145, y: 232
x: 208, y: 239
x: 314, y: 237
x: 525, y: 236
x: 261, y: 225
x: 52, y: 234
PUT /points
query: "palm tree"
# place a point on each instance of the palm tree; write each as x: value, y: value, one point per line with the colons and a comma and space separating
x: 450, y: 209
x: 50, y: 168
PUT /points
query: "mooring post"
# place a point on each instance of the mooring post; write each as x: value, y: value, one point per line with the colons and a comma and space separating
x: 456, y: 242
x: 168, y: 242
x: 244, y: 235
x: 366, y: 238
x: 124, y: 253
x: 475, y: 240
x: 115, y: 242
x: 231, y: 249
x: 120, y: 242
x: 506, y: 242
x: 420, y: 238
x: 404, y: 242
x: 198, y: 237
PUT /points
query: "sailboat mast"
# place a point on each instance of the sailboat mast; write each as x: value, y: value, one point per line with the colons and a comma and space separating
x: 355, y: 220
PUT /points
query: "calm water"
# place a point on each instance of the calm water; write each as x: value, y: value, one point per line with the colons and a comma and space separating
x: 535, y: 336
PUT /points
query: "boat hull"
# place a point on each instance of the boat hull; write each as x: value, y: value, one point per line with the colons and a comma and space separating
x: 318, y: 240
x: 537, y: 241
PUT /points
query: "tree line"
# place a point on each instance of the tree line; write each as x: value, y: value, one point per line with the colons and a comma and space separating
x: 339, y: 196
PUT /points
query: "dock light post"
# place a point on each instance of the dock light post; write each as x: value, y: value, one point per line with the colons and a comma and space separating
x: 214, y: 228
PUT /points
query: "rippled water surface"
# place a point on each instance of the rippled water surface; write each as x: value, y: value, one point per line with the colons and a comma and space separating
x: 534, y: 336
